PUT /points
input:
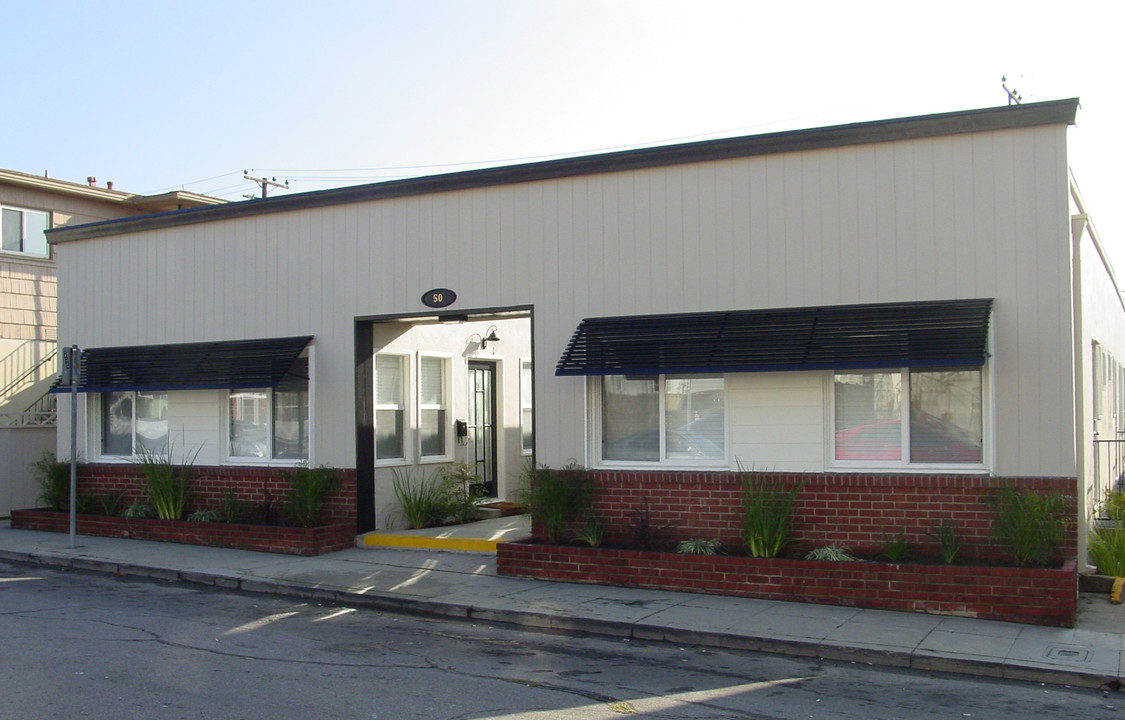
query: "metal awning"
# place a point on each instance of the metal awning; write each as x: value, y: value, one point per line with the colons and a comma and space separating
x: 910, y: 334
x: 190, y: 366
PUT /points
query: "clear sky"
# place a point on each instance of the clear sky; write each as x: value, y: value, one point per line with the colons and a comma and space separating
x: 156, y: 95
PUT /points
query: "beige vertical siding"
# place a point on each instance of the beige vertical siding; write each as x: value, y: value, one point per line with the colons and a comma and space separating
x: 974, y: 215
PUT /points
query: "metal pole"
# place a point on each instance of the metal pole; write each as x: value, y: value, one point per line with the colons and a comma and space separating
x: 74, y: 355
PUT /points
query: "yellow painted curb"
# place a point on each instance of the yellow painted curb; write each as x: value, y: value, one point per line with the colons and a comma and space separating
x: 1115, y: 594
x: 428, y: 543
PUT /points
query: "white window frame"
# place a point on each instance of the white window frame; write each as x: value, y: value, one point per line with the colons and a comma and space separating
x: 905, y: 463
x: 22, y: 252
x: 270, y: 431
x: 446, y: 393
x: 594, y: 415
x: 95, y: 417
x: 527, y: 405
x: 403, y: 407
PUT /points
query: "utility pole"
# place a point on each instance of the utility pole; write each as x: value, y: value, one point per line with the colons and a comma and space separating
x: 265, y: 183
x: 1014, y: 97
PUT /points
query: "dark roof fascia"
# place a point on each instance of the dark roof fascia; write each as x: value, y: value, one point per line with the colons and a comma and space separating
x: 1055, y: 112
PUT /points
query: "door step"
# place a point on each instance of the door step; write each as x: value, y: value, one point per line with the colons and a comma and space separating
x: 482, y: 536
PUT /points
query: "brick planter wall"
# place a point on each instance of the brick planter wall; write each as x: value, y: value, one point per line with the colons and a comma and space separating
x: 266, y: 538
x: 856, y: 510
x: 1026, y: 595
x: 208, y: 487
x: 860, y: 511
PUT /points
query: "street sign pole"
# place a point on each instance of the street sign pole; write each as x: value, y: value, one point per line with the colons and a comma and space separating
x: 72, y: 370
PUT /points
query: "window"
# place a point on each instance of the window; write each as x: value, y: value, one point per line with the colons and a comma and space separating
x: 432, y: 406
x: 944, y: 407
x: 134, y: 423
x: 663, y: 418
x: 527, y: 416
x: 24, y: 231
x: 272, y: 424
x: 390, y: 407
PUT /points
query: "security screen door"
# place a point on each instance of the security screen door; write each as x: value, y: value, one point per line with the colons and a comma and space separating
x: 482, y: 427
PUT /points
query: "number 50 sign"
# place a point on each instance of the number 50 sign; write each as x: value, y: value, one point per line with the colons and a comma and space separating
x: 439, y: 298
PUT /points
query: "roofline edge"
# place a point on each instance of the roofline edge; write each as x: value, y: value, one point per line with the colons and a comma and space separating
x: 1053, y: 112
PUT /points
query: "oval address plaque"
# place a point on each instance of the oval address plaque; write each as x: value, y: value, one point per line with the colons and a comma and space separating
x: 439, y: 298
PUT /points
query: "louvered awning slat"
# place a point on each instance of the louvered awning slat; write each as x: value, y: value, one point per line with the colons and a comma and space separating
x: 930, y: 333
x: 191, y: 366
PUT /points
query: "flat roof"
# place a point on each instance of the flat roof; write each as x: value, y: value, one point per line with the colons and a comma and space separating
x: 1055, y: 112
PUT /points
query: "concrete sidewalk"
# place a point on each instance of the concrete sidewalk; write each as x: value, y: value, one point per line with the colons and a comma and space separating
x: 465, y: 585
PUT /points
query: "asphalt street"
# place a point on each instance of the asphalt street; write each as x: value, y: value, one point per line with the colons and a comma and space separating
x: 77, y: 644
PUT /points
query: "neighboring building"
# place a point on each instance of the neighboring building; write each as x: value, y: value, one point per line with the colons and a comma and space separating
x: 29, y: 206
x: 922, y: 301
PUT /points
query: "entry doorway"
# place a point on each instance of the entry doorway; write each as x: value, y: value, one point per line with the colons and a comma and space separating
x: 481, y: 455
x: 413, y: 370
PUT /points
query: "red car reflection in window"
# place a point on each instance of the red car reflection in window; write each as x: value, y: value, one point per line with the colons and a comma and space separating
x: 932, y: 440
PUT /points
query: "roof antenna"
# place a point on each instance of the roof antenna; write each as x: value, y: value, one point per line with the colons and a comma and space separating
x: 1013, y: 95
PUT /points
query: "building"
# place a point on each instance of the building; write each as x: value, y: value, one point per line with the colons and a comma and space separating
x: 916, y: 302
x: 31, y: 205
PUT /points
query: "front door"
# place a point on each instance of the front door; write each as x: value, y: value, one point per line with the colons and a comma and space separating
x: 482, y: 424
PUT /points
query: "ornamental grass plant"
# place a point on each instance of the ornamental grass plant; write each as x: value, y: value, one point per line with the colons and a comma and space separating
x: 1029, y: 525
x: 555, y: 498
x: 767, y: 507
x: 166, y: 482
x: 421, y: 500
x: 948, y: 539
x: 309, y: 490
x: 1107, y: 537
x: 53, y: 478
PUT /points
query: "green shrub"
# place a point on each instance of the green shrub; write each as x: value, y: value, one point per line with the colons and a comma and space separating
x: 53, y: 478
x: 767, y: 505
x: 309, y: 490
x: 461, y: 488
x: 234, y: 510
x: 139, y: 510
x: 86, y: 504
x: 699, y: 546
x: 1107, y: 549
x: 204, y: 516
x: 556, y: 498
x: 1107, y: 537
x: 647, y: 532
x: 832, y: 553
x: 1028, y: 525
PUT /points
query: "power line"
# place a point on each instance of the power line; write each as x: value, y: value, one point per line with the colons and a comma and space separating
x: 320, y: 177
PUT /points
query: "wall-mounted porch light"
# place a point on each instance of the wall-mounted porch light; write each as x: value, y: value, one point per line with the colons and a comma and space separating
x: 490, y: 337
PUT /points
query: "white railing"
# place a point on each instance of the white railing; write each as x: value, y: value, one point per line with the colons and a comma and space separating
x: 47, y: 418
